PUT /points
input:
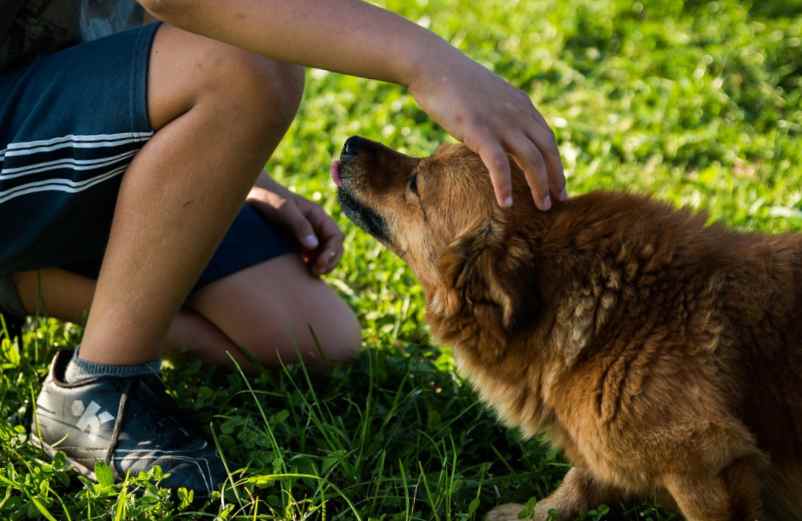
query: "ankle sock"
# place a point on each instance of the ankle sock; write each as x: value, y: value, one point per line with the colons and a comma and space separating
x: 80, y: 369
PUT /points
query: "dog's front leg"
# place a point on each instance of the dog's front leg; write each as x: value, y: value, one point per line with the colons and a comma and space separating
x: 578, y: 493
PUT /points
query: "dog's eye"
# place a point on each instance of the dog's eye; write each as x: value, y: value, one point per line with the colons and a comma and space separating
x: 413, y: 184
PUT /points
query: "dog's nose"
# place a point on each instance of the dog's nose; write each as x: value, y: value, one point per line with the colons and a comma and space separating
x: 353, y: 145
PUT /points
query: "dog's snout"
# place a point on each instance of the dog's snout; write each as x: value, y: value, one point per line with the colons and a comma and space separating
x: 353, y: 145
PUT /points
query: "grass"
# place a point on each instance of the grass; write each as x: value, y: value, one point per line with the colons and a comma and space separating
x: 697, y: 102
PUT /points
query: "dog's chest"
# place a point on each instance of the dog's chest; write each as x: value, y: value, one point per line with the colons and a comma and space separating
x: 517, y: 400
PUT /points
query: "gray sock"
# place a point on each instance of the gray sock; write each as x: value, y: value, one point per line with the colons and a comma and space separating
x: 80, y: 369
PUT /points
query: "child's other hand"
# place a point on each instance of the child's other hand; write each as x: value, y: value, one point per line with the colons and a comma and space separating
x: 493, y: 119
x: 314, y: 229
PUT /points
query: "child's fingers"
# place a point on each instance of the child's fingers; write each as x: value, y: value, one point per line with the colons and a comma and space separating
x: 498, y: 165
x: 300, y: 226
x: 531, y: 161
x: 331, y: 238
x: 543, y: 138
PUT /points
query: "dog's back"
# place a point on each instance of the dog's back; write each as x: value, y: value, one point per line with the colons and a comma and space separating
x: 781, y: 495
x: 766, y: 303
x: 756, y: 312
x: 760, y: 302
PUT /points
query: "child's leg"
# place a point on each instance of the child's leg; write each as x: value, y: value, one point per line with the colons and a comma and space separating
x: 267, y: 309
x: 218, y: 113
x: 212, y: 117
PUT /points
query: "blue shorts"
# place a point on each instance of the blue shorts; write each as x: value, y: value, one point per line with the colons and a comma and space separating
x: 70, y: 124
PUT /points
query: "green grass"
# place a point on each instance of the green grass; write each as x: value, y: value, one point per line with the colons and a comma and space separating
x: 697, y: 102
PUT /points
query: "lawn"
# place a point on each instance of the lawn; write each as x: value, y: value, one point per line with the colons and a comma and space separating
x: 699, y: 103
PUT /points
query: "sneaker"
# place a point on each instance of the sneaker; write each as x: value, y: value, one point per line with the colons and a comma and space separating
x: 130, y: 423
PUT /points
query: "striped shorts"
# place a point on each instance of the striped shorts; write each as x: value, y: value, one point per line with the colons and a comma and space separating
x: 70, y: 124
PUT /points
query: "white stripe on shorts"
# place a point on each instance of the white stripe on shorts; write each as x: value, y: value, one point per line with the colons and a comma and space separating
x: 76, y: 164
x: 73, y: 141
x: 96, y: 141
x: 59, y: 185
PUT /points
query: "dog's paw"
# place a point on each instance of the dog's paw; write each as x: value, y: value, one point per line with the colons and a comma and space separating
x: 508, y: 512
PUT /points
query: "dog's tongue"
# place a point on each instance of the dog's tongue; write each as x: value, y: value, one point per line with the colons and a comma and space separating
x: 335, y: 173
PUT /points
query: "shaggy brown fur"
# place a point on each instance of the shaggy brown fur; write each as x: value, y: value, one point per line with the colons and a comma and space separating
x: 663, y: 355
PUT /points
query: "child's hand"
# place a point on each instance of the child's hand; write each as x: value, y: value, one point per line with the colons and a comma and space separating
x: 314, y: 229
x: 493, y: 119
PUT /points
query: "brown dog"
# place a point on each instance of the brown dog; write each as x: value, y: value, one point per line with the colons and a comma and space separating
x: 664, y: 356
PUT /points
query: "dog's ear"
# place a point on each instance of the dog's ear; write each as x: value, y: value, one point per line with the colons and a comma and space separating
x: 488, y: 274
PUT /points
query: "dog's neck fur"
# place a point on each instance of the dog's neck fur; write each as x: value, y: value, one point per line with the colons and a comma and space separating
x: 483, y: 346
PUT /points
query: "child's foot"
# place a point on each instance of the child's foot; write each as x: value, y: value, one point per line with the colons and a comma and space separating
x: 130, y: 423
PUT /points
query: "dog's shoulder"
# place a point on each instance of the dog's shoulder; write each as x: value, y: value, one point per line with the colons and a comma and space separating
x: 630, y: 259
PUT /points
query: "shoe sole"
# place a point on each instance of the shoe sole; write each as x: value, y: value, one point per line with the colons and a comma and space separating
x: 51, y: 451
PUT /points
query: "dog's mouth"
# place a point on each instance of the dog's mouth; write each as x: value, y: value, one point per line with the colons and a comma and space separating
x: 363, y: 216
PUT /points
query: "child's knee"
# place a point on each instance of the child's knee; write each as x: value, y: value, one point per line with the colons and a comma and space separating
x: 187, y: 70
x: 345, y: 341
x: 329, y: 331
x: 255, y: 87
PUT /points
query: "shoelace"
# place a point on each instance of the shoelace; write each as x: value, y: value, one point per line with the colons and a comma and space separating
x: 170, y: 416
x: 118, y: 423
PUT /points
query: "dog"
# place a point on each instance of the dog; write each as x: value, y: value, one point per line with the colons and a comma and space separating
x: 660, y: 353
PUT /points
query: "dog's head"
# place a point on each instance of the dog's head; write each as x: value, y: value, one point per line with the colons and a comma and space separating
x: 439, y: 214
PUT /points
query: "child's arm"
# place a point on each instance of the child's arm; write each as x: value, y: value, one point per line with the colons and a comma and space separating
x: 352, y: 37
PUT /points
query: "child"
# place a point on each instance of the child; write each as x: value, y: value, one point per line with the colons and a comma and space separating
x: 125, y: 164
